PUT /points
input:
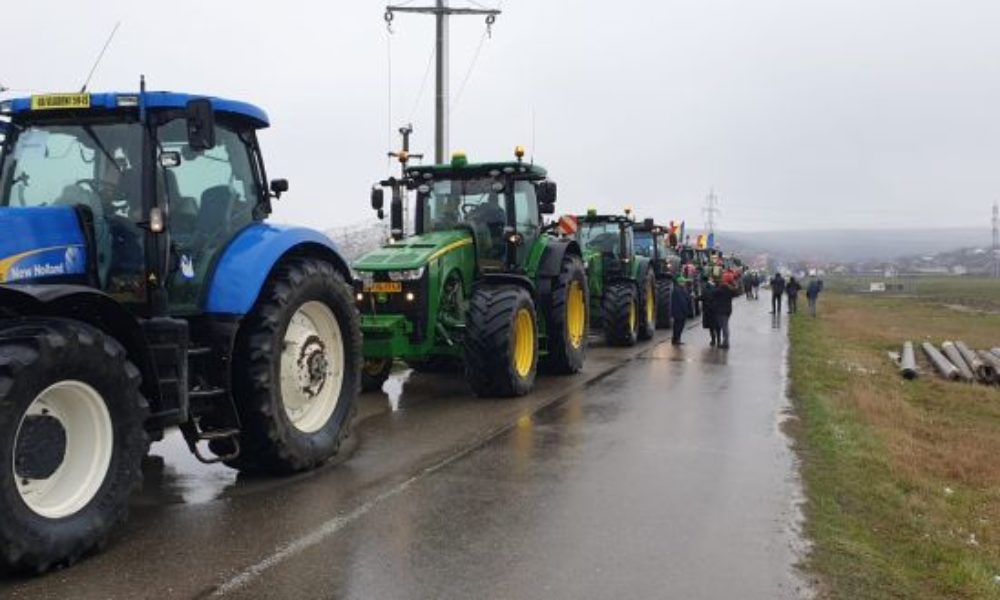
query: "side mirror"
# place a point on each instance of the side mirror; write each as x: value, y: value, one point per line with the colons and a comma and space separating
x: 200, y: 124
x: 547, y: 209
x: 279, y: 187
x: 378, y: 198
x: 170, y: 159
x: 546, y: 192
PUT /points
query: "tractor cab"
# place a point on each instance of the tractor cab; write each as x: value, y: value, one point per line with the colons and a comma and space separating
x: 611, y: 237
x: 135, y: 194
x: 653, y: 242
x: 499, y: 204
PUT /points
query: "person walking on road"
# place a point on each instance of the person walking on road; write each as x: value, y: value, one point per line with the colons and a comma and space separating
x: 756, y: 285
x: 792, y: 289
x: 680, y: 309
x: 812, y: 294
x: 748, y: 286
x: 708, y: 320
x: 723, y: 307
x: 777, y: 291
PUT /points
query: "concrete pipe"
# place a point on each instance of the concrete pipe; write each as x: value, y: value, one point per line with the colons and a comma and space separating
x: 993, y: 362
x: 908, y: 362
x: 943, y: 366
x: 949, y: 350
x: 976, y: 364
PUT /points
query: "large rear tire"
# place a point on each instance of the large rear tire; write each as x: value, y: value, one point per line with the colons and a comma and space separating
x: 621, y: 308
x: 647, y: 306
x: 568, y: 321
x: 663, y: 317
x: 71, y: 425
x: 501, y: 342
x: 297, y: 369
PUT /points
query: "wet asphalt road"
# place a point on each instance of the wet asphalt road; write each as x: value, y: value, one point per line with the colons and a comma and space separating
x: 659, y: 472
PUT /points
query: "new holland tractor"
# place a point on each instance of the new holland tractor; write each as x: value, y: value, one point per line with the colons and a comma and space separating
x: 653, y: 242
x: 623, y: 297
x: 141, y: 289
x: 477, y: 283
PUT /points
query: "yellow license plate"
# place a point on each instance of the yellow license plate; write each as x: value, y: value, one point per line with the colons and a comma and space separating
x: 60, y: 101
x: 385, y: 287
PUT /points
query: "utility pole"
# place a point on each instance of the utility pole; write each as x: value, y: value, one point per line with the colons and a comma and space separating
x: 404, y: 156
x: 710, y: 210
x: 441, y: 12
x: 996, y: 239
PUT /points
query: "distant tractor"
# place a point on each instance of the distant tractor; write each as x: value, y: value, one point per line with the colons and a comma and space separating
x: 141, y: 289
x: 653, y: 242
x: 622, y: 283
x: 693, y: 263
x: 478, y: 283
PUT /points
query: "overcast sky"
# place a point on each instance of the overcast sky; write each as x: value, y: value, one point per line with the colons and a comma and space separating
x: 800, y: 113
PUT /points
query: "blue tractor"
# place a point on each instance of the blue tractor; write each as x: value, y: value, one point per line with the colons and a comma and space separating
x: 140, y: 289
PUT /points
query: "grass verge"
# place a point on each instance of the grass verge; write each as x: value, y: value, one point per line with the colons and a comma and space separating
x: 902, y: 478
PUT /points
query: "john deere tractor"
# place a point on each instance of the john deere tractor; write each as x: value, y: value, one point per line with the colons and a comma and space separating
x: 478, y: 282
x: 142, y: 289
x: 622, y: 282
x: 653, y: 242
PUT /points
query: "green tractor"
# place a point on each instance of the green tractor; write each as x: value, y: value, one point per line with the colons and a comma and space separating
x: 622, y: 283
x: 654, y: 242
x: 478, y: 283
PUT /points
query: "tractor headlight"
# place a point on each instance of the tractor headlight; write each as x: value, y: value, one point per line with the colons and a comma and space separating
x: 367, y: 278
x: 6, y: 107
x: 407, y: 275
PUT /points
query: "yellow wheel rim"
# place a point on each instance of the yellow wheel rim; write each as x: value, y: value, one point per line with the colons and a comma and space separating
x: 524, y: 342
x: 576, y: 314
x: 650, y: 304
x: 631, y: 316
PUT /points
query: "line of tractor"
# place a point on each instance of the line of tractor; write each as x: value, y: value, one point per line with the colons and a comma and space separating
x: 143, y: 288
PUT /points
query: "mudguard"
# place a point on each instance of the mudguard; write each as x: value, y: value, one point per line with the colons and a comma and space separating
x: 552, y: 258
x: 248, y: 260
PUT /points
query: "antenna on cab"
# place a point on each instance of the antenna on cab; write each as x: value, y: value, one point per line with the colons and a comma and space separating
x: 100, y: 56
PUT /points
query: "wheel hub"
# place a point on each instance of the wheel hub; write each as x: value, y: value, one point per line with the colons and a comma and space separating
x: 313, y: 367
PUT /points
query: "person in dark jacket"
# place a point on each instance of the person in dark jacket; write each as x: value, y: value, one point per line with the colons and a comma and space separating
x: 792, y: 289
x: 723, y: 305
x: 680, y: 309
x: 777, y: 291
x: 812, y: 295
x: 748, y: 286
x: 708, y: 320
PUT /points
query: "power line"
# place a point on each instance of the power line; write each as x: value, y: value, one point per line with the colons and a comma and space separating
x: 710, y: 210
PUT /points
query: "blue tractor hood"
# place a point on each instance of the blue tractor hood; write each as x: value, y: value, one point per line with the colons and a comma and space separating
x: 41, y: 243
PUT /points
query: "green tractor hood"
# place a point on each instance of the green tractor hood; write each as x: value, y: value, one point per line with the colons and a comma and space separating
x: 413, y: 252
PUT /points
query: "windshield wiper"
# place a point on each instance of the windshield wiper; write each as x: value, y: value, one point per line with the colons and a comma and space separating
x: 100, y: 146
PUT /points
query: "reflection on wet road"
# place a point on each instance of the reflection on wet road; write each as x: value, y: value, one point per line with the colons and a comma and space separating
x: 665, y: 476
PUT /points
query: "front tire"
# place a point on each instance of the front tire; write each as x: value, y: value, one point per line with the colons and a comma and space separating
x: 568, y: 321
x: 663, y: 317
x: 501, y: 342
x: 621, y: 322
x: 71, y: 421
x: 297, y: 369
x: 374, y: 373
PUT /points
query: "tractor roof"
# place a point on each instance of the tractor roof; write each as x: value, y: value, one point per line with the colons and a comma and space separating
x: 596, y: 218
x: 474, y: 170
x: 651, y: 226
x: 44, y: 104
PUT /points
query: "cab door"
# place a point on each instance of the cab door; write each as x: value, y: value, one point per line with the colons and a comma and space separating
x: 212, y: 195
